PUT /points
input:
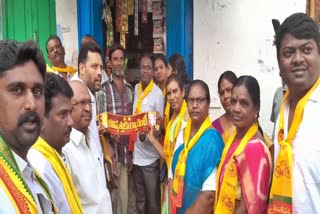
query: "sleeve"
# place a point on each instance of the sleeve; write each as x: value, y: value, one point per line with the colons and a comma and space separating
x: 210, y: 183
x: 211, y: 158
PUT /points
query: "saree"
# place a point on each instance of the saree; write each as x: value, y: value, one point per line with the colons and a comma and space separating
x: 225, y: 134
x: 253, y: 170
x: 203, y: 158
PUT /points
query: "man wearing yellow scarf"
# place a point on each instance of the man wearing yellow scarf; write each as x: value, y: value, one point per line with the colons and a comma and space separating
x: 22, y: 71
x: 45, y: 154
x: 296, y: 177
x: 146, y: 165
x: 56, y: 55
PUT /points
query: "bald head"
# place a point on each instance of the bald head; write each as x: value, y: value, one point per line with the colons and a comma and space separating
x: 82, y: 110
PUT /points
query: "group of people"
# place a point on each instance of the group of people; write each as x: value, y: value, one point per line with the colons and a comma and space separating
x: 54, y: 159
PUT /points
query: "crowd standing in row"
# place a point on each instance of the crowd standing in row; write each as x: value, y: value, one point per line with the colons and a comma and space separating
x: 54, y: 159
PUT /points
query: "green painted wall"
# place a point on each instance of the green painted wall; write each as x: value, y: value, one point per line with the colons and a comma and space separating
x: 29, y: 19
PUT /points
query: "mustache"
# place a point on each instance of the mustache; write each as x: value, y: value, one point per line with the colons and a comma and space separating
x: 68, y: 131
x: 31, y: 117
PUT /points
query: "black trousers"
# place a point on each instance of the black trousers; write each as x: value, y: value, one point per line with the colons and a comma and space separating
x: 147, y: 188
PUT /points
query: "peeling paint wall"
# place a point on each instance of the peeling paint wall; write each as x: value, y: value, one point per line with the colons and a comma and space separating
x: 238, y: 36
x: 67, y: 29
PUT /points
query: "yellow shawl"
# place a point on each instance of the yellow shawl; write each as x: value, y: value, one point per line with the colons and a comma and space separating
x: 67, y: 69
x: 281, y: 187
x: 169, y: 145
x: 141, y: 95
x: 62, y: 173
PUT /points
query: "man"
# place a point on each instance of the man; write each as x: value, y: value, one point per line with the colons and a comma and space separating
x: 55, y: 133
x: 56, y: 54
x: 296, y: 179
x: 82, y: 157
x: 116, y: 97
x: 147, y: 97
x: 90, y: 73
x: 22, y: 72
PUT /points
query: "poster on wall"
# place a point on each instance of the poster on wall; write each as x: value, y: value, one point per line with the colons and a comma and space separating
x: 158, y: 26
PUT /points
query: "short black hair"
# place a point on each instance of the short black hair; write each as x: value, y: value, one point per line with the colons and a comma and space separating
x: 147, y: 55
x: 227, y: 75
x: 114, y: 47
x: 178, y: 63
x: 52, y: 37
x: 54, y: 86
x: 174, y: 77
x: 162, y: 58
x: 85, y: 49
x: 203, y: 85
x: 300, y: 26
x: 13, y: 53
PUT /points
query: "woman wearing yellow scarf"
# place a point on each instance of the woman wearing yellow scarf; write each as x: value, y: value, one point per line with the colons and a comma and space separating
x: 198, y: 150
x: 244, y: 171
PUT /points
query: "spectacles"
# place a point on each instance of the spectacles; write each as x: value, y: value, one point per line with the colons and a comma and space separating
x: 198, y: 100
x: 83, y: 103
x: 146, y: 68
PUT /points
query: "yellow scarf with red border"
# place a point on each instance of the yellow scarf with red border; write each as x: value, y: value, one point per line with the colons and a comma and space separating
x: 62, y: 172
x: 67, y: 69
x: 281, y: 187
x: 226, y: 192
x: 180, y: 170
x: 14, y: 185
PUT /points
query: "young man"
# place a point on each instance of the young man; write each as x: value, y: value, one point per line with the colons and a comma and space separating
x: 147, y: 98
x: 116, y: 97
x: 22, y: 72
x: 56, y: 54
x: 82, y: 157
x: 295, y: 185
x: 90, y: 73
x: 45, y: 154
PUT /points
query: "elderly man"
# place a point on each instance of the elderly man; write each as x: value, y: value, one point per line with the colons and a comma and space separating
x: 22, y: 72
x: 56, y: 55
x: 296, y: 178
x: 90, y: 73
x: 55, y: 133
x: 82, y: 156
x: 116, y: 97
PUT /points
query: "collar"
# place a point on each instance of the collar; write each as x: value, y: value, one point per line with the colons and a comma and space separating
x: 24, y: 166
x: 124, y: 81
x: 78, y: 137
x: 315, y: 96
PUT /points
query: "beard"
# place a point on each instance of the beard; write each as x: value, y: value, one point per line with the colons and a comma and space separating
x: 117, y: 72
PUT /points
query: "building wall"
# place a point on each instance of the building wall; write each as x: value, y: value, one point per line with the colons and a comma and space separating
x: 67, y: 29
x: 238, y: 36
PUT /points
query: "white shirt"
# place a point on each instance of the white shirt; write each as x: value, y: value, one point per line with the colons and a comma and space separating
x: 42, y: 201
x: 210, y: 183
x: 87, y: 172
x: 306, y: 156
x: 94, y: 132
x: 43, y: 166
x: 144, y: 153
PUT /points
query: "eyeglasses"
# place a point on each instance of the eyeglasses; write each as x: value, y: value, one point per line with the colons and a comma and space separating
x: 83, y: 103
x: 198, y: 100
x: 146, y: 68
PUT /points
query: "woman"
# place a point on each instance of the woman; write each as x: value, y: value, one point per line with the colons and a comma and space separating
x: 161, y: 70
x: 175, y: 97
x: 244, y: 172
x: 197, y: 153
x: 177, y: 66
x: 224, y: 124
